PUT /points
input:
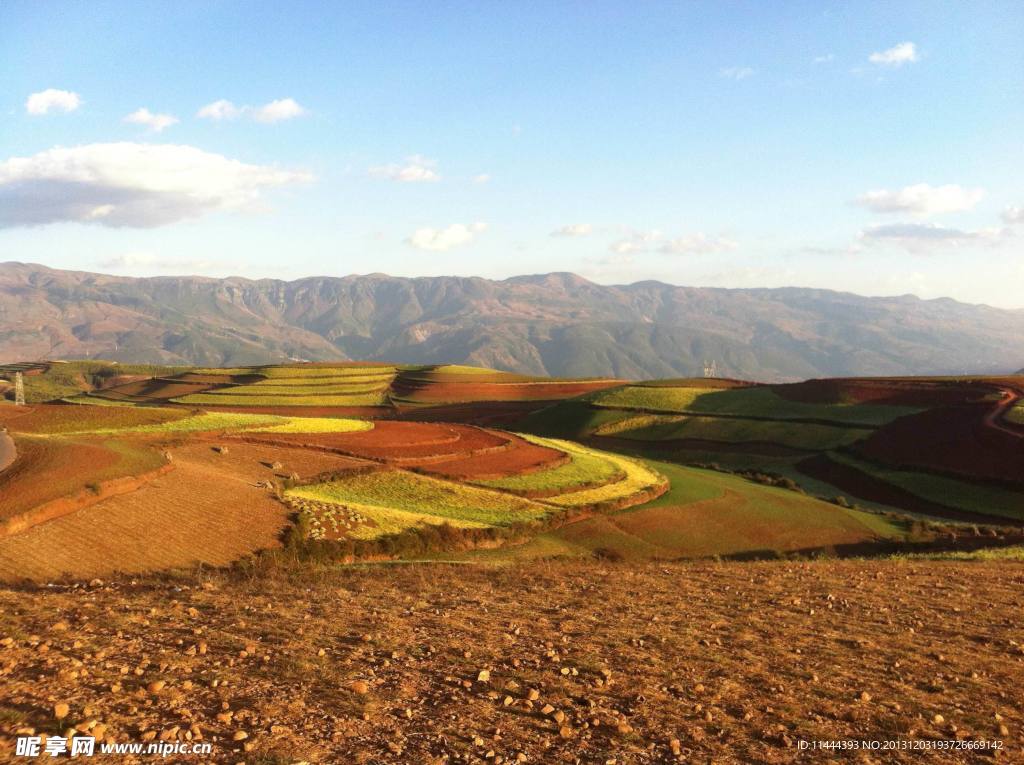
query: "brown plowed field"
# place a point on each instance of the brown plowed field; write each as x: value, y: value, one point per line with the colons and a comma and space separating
x: 49, y: 468
x: 523, y: 457
x: 69, y: 418
x: 860, y: 485
x: 953, y: 440
x: 400, y: 441
x: 923, y: 393
x: 737, y: 662
x: 493, y: 413
x: 207, y: 509
x: 155, y: 390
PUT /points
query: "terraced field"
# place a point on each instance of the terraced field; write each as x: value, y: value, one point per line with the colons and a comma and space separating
x: 707, y: 513
x: 392, y: 501
x: 754, y: 402
x: 460, y: 384
x: 796, y: 435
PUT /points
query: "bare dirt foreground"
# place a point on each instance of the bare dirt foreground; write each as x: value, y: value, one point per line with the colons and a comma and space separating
x: 547, y: 663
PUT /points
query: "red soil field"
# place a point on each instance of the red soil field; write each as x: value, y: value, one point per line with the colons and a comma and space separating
x: 923, y: 393
x: 49, y: 468
x: 396, y: 441
x: 523, y: 457
x: 495, y: 413
x: 954, y: 440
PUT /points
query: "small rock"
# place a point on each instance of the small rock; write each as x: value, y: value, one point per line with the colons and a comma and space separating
x: 361, y: 687
x: 240, y: 735
x: 60, y: 711
x: 484, y: 676
x: 156, y: 686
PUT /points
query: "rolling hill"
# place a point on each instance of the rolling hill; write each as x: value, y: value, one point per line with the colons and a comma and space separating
x: 554, y: 324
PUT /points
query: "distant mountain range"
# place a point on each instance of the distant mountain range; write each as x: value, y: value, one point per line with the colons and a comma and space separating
x: 557, y: 324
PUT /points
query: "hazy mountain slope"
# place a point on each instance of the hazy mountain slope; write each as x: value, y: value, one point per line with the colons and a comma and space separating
x: 557, y: 324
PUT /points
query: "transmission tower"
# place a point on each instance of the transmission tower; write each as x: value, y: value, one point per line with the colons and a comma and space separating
x: 19, y: 389
x: 711, y: 368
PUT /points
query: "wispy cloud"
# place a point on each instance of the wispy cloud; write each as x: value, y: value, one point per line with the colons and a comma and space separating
x: 129, y: 185
x: 926, y: 237
x: 280, y: 110
x: 921, y: 199
x: 155, y: 122
x: 828, y: 58
x: 415, y: 169
x: 654, y: 241
x: 736, y: 72
x: 898, y: 55
x: 573, y: 229
x: 150, y: 262
x: 444, y: 239
x: 482, y: 178
x: 52, y: 100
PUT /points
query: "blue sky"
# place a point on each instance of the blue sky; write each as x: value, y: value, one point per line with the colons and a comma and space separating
x: 871, y: 147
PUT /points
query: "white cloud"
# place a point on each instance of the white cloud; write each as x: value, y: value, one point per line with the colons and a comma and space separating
x: 689, y: 244
x: 924, y: 237
x: 897, y: 55
x: 697, y: 244
x: 155, y: 122
x: 573, y: 229
x: 921, y: 199
x: 275, y: 111
x: 441, y: 240
x: 278, y: 111
x: 828, y: 58
x: 50, y: 99
x: 736, y: 72
x: 220, y: 110
x: 482, y: 178
x: 416, y: 169
x: 1013, y: 215
x: 149, y: 263
x: 129, y: 185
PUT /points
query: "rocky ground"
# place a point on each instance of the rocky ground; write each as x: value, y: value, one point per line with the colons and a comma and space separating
x: 546, y: 663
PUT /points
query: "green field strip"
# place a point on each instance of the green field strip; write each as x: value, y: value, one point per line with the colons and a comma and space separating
x: 973, y: 497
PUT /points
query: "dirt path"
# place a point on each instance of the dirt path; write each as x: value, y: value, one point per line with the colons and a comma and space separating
x: 994, y: 419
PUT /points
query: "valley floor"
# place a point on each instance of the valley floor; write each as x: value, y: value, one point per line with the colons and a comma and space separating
x: 547, y: 662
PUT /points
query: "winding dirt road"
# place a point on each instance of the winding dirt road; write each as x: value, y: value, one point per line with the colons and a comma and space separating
x: 994, y: 419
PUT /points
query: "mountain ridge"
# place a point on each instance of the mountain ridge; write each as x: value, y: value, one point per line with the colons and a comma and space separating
x: 558, y: 324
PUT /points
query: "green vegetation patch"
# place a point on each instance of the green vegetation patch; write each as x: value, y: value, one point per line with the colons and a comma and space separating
x: 798, y: 435
x: 639, y: 477
x: 260, y: 423
x: 63, y: 379
x: 758, y: 402
x: 587, y: 466
x: 214, y: 399
x: 1016, y: 414
x: 308, y: 372
x: 396, y: 500
x: 973, y: 497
